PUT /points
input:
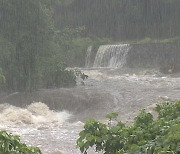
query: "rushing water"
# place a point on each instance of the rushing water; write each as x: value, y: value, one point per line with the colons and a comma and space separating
x: 88, y: 57
x: 54, y: 124
x: 106, y: 90
x: 111, y: 55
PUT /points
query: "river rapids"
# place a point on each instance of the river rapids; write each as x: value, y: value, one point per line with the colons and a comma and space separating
x: 51, y: 119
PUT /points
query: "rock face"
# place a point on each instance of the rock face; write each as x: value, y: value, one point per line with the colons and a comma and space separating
x: 161, y: 56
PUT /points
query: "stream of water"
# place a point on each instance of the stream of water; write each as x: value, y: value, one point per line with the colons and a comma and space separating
x: 104, y: 91
x: 52, y: 118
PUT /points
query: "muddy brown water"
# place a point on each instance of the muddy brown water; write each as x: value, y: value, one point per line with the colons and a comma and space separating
x: 54, y: 124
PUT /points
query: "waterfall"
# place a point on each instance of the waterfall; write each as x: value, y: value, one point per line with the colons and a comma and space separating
x: 111, y: 55
x: 88, y: 57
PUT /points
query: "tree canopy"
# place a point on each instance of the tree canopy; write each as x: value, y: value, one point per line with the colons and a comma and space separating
x: 27, y: 43
x: 122, y: 19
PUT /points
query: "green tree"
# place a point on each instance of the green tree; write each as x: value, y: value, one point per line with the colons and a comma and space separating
x: 145, y: 135
x: 28, y: 42
x: 122, y: 20
x: 24, y: 24
x: 11, y: 144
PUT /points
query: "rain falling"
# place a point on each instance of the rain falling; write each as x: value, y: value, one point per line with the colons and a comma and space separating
x: 89, y: 76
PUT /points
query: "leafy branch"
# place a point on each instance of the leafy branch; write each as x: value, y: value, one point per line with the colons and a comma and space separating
x: 145, y: 135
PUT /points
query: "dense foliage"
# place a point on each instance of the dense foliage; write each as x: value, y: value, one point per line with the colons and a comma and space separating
x: 73, y: 45
x: 28, y: 44
x: 122, y: 19
x: 11, y: 144
x: 39, y: 39
x: 144, y: 136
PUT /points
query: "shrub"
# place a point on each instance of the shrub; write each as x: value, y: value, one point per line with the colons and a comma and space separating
x: 55, y: 75
x: 145, y: 135
x: 11, y: 144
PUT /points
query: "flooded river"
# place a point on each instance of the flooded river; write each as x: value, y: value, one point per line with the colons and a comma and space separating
x: 54, y: 124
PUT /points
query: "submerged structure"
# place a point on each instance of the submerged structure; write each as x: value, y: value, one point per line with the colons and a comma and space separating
x: 162, y: 56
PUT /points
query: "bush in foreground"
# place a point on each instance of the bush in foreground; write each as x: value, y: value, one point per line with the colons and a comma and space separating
x: 145, y: 135
x: 11, y: 144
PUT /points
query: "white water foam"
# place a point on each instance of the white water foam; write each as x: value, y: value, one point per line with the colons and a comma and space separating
x: 111, y: 56
x: 88, y: 57
x: 36, y: 113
